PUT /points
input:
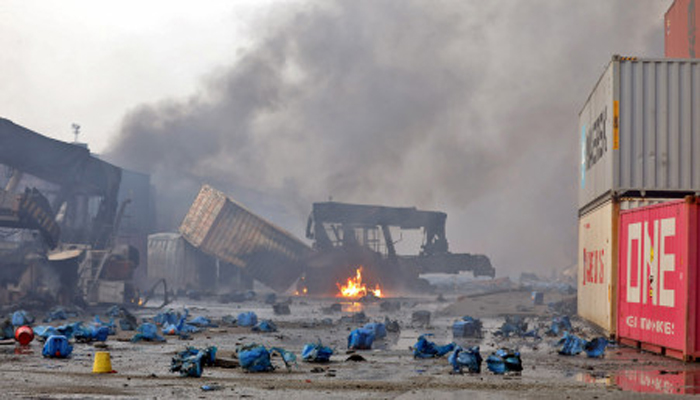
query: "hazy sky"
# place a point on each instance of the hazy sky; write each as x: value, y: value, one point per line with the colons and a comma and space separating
x: 468, y: 107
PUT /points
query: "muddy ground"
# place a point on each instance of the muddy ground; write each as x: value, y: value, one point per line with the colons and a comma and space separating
x: 390, y: 371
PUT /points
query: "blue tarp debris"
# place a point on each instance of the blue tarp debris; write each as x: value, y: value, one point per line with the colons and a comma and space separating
x: 202, y: 322
x: 170, y: 317
x: 265, y: 326
x: 469, y: 358
x: 467, y: 327
x: 148, y: 332
x: 378, y: 328
x: 256, y: 358
x: 513, y: 325
x: 109, y: 325
x: 191, y: 361
x: 57, y: 346
x: 596, y: 347
x: 504, y: 360
x: 571, y: 344
x: 21, y: 318
x: 559, y: 325
x: 58, y: 313
x: 361, y: 339
x: 316, y: 352
x: 247, y: 318
x: 427, y: 349
x: 229, y: 320
x: 91, y: 333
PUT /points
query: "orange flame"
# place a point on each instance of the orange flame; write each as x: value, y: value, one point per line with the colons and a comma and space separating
x: 355, y: 287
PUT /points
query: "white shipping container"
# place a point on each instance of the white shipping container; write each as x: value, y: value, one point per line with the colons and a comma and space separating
x: 597, y: 261
x: 640, y: 131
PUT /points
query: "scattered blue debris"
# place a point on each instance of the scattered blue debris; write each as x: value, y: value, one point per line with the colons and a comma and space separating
x: 111, y: 326
x: 147, y: 332
x: 21, y: 318
x: 316, y: 352
x: 202, y: 322
x: 57, y: 346
x: 170, y: 317
x: 91, y: 333
x: 58, y: 313
x: 596, y: 347
x: 469, y: 358
x: 191, y: 361
x: 504, y: 360
x: 247, y: 318
x: 515, y: 325
x: 559, y: 325
x: 265, y: 326
x: 467, y: 327
x: 427, y: 349
x: 378, y: 328
x: 361, y: 339
x: 571, y: 344
x: 256, y: 358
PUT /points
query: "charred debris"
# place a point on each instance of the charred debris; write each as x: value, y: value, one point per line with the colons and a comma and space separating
x: 75, y: 229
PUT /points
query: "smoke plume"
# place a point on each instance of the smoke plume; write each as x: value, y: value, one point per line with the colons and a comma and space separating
x: 468, y: 107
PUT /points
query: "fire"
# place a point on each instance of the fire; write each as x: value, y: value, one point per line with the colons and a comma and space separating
x: 304, y: 291
x: 355, y: 287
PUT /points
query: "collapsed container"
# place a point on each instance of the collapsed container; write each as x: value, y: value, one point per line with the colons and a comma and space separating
x: 219, y: 226
x: 658, y: 279
x: 682, y: 29
x: 597, y: 261
x: 640, y: 131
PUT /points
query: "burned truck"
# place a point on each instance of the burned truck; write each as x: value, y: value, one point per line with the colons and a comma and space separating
x: 348, y: 240
x: 349, y: 236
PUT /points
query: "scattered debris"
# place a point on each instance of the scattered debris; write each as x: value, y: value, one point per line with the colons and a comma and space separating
x: 596, y: 347
x: 469, y: 358
x: 271, y: 298
x: 467, y: 327
x: 147, y: 332
x: 256, y: 358
x: 421, y: 318
x: 21, y: 318
x: 361, y: 339
x: 378, y: 328
x: 559, y: 324
x: 356, y: 358
x: 572, y: 345
x: 24, y: 335
x: 281, y: 309
x: 211, y: 388
x: 191, y: 361
x: 392, y: 325
x: 427, y: 349
x: 57, y: 346
x: 513, y: 325
x: 504, y: 360
x: 265, y: 326
x: 247, y: 318
x: 316, y: 352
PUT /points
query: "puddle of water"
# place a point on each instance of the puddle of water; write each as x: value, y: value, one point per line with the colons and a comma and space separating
x: 648, y: 381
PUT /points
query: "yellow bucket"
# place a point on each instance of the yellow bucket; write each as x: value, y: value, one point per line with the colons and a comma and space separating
x: 102, y: 364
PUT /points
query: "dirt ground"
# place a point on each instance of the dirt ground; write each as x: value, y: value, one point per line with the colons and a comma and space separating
x: 390, y: 371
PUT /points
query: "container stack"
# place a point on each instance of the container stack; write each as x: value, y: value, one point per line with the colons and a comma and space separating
x: 640, y: 145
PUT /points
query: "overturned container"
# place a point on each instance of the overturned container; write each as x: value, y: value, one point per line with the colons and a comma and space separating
x: 658, y: 299
x: 223, y: 228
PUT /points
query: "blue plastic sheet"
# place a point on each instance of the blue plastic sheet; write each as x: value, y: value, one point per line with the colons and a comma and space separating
x: 170, y: 317
x: 378, y: 328
x: 255, y: 358
x: 202, y: 322
x: 424, y: 348
x: 466, y: 358
x: 265, y: 326
x: 91, y: 333
x: 58, y: 313
x: 57, y: 346
x: 247, y: 318
x: 361, y: 339
x: 559, y: 325
x: 111, y: 326
x: 504, y: 360
x: 148, y: 332
x: 571, y: 345
x: 596, y: 347
x: 191, y: 361
x: 513, y: 325
x: 21, y: 318
x: 316, y: 352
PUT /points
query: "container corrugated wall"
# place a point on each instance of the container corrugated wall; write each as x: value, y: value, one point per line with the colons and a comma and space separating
x: 640, y: 131
x: 179, y: 263
x: 682, y: 29
x: 658, y: 278
x: 225, y: 229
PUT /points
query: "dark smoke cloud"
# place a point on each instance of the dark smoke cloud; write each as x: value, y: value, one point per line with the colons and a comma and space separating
x: 464, y: 106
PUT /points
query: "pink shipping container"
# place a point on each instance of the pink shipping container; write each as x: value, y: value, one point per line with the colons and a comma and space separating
x: 682, y: 29
x: 658, y: 277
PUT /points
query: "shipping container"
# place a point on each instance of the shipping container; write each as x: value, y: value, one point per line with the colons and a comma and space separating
x: 225, y: 229
x: 183, y: 267
x: 597, y: 261
x: 658, y: 278
x: 681, y: 38
x: 640, y: 131
x: 658, y: 381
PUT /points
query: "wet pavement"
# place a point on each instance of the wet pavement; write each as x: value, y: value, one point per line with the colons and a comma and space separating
x: 390, y: 371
